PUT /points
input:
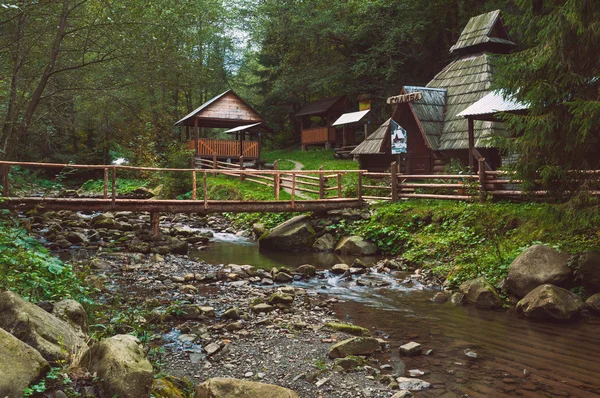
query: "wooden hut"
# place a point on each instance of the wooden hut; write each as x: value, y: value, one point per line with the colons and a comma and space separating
x: 374, y: 153
x: 436, y: 134
x: 226, y: 111
x: 319, y: 131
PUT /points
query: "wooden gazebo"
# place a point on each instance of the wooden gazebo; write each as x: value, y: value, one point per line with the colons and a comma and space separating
x: 228, y: 111
x: 328, y: 110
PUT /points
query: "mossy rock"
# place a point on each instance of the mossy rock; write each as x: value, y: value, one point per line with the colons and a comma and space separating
x: 348, y: 328
x: 166, y: 388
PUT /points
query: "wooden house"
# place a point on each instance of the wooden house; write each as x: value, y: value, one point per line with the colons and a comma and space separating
x: 430, y: 115
x: 226, y: 111
x: 316, y: 119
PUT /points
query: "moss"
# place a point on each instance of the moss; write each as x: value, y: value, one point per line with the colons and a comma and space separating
x: 348, y: 328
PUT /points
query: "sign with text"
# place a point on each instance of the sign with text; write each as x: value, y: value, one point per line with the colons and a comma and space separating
x: 403, y: 98
x: 398, y: 137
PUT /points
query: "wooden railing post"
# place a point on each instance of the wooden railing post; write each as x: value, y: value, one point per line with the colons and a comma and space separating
x: 293, y: 188
x: 482, y: 180
x: 275, y: 164
x: 276, y: 185
x: 5, y: 171
x: 242, y: 176
x: 114, y: 185
x: 193, y: 185
x: 339, y: 184
x: 394, y: 172
x: 321, y: 184
x: 106, y: 183
x: 155, y: 223
x: 205, y: 191
x: 215, y: 166
x: 359, y: 185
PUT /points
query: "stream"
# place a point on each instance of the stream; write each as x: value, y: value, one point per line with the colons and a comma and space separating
x: 515, y: 356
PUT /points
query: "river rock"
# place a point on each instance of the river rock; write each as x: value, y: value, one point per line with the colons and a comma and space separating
x: 76, y: 237
x: 457, y: 298
x: 307, y: 269
x: 295, y: 234
x: 339, y: 269
x: 104, y: 220
x: 164, y: 388
x: 281, y: 298
x: 354, y: 346
x: 411, y: 348
x: 262, y: 307
x: 346, y: 363
x: 122, y: 366
x: 537, y: 265
x: 356, y: 246
x: 440, y: 297
x: 232, y: 313
x: 550, y: 302
x: 283, y: 277
x: 52, y: 337
x: 481, y: 293
x: 325, y: 243
x: 411, y: 384
x: 348, y: 328
x: 20, y: 365
x: 74, y: 314
x: 195, y: 312
x: 233, y: 388
x: 588, y: 270
x: 592, y: 304
x: 259, y: 229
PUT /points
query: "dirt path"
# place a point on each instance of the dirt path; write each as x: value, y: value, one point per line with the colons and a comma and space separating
x: 287, y: 188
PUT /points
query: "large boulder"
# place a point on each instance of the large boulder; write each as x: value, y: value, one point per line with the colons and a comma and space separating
x: 52, y: 337
x: 325, y: 243
x: 121, y: 364
x: 356, y: 246
x: 592, y: 304
x: 20, y: 365
x: 537, y: 266
x: 354, y: 346
x: 481, y: 293
x: 550, y: 302
x: 295, y: 234
x: 588, y: 270
x: 74, y: 314
x: 233, y: 388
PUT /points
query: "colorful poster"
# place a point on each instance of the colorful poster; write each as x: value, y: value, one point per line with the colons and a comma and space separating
x: 398, y: 137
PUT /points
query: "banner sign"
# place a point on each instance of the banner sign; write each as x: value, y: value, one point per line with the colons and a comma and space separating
x: 398, y: 99
x: 398, y: 137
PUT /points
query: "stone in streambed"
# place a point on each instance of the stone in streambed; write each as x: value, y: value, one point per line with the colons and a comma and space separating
x: 20, y: 365
x: 410, y: 384
x: 279, y: 298
x: 258, y: 308
x: 52, y: 337
x: 74, y: 314
x: 339, y: 269
x: 282, y: 277
x: 122, y: 366
x: 592, y: 304
x: 411, y: 348
x: 306, y: 269
x: 234, y: 388
x: 325, y: 243
x: 440, y: 297
x: 354, y: 346
x: 348, y: 328
x: 295, y: 234
x: 355, y: 245
x: 481, y: 293
x: 538, y: 265
x: 550, y: 302
x: 232, y: 313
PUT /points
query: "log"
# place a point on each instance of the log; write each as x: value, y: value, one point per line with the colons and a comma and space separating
x: 377, y: 197
x: 434, y: 196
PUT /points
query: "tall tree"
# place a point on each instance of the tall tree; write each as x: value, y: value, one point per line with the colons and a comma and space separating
x: 557, y: 74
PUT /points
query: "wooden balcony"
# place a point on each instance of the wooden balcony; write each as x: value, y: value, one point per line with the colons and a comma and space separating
x: 318, y: 135
x: 226, y: 148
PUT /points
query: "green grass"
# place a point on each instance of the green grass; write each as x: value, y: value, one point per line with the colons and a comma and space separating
x: 122, y: 185
x: 312, y: 159
x: 460, y: 241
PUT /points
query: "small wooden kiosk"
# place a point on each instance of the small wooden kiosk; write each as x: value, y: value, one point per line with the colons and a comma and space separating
x: 328, y: 110
x: 227, y: 110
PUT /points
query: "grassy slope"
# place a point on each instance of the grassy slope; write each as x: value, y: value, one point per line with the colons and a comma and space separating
x: 311, y: 159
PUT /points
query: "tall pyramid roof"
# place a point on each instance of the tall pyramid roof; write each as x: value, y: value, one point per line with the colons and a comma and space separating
x: 485, y: 30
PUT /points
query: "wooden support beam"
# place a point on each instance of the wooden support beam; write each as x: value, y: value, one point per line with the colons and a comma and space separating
x: 242, y: 176
x: 277, y: 186
x: 339, y: 184
x: 205, y: 193
x: 193, y: 185
x: 155, y: 223
x: 114, y: 184
x: 482, y: 188
x: 293, y: 189
x: 321, y: 184
x: 105, y: 196
x: 196, y: 136
x: 471, y: 144
x: 360, y: 186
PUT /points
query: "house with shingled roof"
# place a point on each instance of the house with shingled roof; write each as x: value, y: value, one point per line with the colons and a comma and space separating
x: 430, y: 115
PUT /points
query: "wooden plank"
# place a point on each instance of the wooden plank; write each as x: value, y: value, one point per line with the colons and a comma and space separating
x: 193, y: 185
x: 433, y: 196
x: 321, y: 184
x: 377, y: 187
x: 377, y: 197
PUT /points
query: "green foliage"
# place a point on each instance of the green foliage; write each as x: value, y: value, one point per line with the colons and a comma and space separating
x: 122, y: 185
x: 460, y: 241
x: 556, y: 74
x: 175, y: 183
x: 29, y: 269
x: 312, y: 159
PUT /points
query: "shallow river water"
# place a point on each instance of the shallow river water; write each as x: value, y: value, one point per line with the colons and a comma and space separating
x: 515, y: 356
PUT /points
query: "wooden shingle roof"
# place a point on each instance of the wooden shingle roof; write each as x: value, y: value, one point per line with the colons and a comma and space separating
x: 373, y: 144
x: 319, y: 107
x: 429, y: 112
x: 484, y: 28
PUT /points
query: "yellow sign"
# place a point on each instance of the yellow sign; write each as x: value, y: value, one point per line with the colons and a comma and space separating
x: 364, y: 105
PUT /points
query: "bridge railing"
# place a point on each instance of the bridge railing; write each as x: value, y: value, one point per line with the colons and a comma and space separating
x: 294, y: 181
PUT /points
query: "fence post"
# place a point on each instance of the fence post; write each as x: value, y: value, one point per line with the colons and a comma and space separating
x: 5, y: 171
x: 394, y: 172
x: 106, y: 183
x: 275, y: 164
x: 205, y: 192
x: 155, y: 223
x: 242, y: 176
x: 114, y: 185
x: 481, y: 180
x: 359, y: 185
x: 276, y: 184
x: 339, y: 184
x: 215, y: 162
x: 321, y: 184
x: 293, y: 188
x: 193, y: 185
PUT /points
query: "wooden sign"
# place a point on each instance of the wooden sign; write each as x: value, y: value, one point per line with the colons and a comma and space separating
x: 403, y: 98
x: 364, y: 105
x: 399, y: 139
